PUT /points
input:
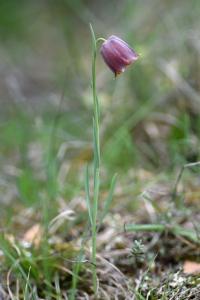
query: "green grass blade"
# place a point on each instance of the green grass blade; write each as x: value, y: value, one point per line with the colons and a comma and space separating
x: 96, y: 194
x: 176, y: 230
x: 77, y: 267
x: 93, y: 37
x: 27, y: 284
x: 7, y: 250
x: 57, y: 287
x: 87, y: 190
x: 145, y: 227
x: 108, y: 200
x: 96, y: 150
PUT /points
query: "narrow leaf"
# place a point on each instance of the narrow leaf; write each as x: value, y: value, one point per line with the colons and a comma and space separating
x: 176, y: 230
x: 87, y: 191
x: 93, y: 37
x: 96, y: 195
x: 96, y: 150
x: 108, y: 200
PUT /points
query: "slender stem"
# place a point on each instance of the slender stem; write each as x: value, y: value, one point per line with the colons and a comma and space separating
x: 96, y: 161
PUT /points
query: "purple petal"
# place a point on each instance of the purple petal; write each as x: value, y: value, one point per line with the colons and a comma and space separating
x: 117, y: 54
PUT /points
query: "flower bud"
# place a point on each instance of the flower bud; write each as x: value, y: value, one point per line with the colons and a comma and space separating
x: 117, y: 54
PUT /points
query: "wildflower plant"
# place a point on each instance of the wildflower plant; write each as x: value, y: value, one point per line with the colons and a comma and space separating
x: 117, y: 55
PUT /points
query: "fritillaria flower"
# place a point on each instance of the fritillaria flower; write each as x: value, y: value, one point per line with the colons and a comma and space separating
x: 117, y: 54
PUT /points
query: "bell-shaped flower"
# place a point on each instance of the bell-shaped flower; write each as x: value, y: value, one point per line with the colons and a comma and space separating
x: 117, y: 54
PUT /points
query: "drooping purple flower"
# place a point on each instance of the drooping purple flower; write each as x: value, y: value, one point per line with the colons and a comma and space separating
x: 117, y: 54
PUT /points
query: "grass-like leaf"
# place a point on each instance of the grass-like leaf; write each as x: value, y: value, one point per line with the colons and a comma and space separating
x: 87, y: 190
x: 176, y: 230
x: 108, y: 200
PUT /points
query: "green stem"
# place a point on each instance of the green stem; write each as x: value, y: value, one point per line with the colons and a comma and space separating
x: 96, y: 160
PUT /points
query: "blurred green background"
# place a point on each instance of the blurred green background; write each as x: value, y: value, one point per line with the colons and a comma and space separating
x: 149, y: 115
